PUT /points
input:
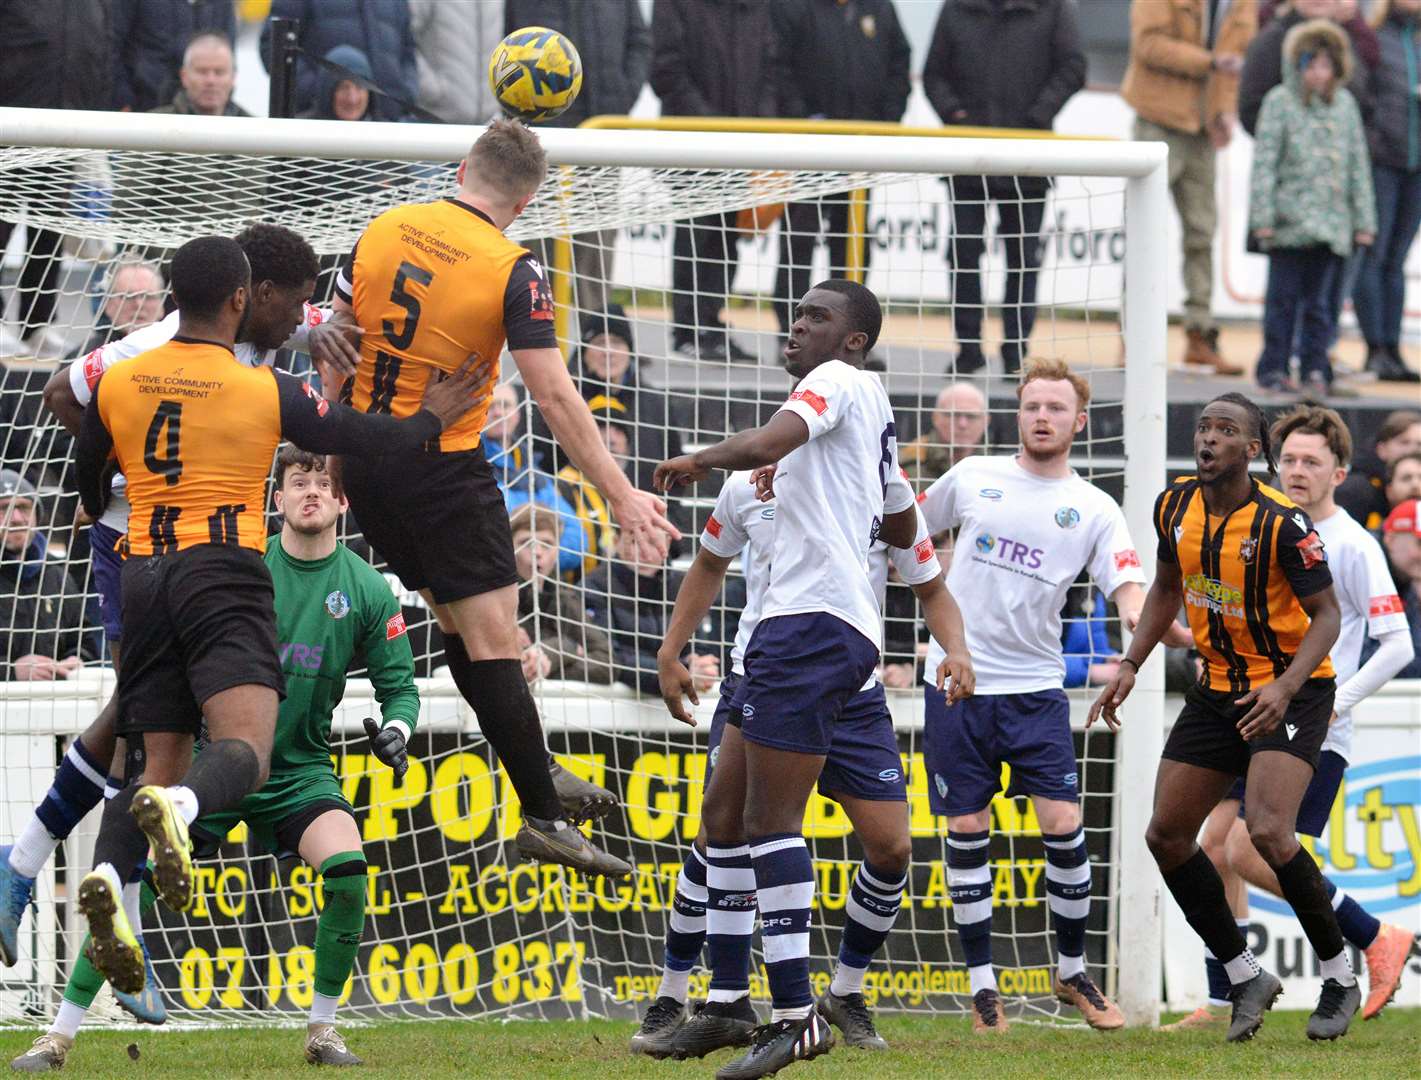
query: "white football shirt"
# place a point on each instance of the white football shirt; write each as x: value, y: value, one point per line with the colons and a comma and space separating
x: 1369, y: 602
x: 831, y: 496
x: 741, y: 525
x: 1022, y: 541
x: 84, y: 376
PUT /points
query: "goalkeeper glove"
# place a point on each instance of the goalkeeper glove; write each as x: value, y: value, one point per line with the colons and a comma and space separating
x: 388, y: 744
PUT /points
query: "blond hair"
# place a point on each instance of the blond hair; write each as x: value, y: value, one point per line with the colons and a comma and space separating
x: 507, y: 161
x: 1054, y: 371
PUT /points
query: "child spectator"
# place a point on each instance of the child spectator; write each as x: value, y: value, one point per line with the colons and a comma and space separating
x: 558, y: 641
x: 1311, y: 199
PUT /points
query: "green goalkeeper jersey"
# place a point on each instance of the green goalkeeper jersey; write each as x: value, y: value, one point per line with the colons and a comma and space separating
x: 331, y: 615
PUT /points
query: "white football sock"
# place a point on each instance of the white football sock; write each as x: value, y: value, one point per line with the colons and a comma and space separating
x: 847, y: 980
x: 184, y: 801
x: 1242, y: 967
x: 68, y: 1019
x: 799, y: 1012
x: 1070, y: 966
x: 132, y: 905
x: 983, y: 978
x: 323, y: 1009
x: 674, y: 984
x: 32, y: 849
x: 1339, y: 968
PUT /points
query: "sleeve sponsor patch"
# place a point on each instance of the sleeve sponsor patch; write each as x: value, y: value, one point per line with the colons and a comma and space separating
x: 1311, y: 548
x: 314, y: 316
x: 394, y: 626
x: 93, y: 368
x: 1125, y: 560
x: 924, y: 550
x: 322, y: 405
x: 540, y: 300
x: 813, y: 400
x: 1380, y: 606
x: 713, y: 526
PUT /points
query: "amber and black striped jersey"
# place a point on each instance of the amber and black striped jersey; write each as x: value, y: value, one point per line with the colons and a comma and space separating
x: 194, y: 431
x: 431, y: 284
x: 1243, y: 577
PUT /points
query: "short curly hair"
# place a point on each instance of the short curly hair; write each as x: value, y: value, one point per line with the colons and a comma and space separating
x: 278, y: 255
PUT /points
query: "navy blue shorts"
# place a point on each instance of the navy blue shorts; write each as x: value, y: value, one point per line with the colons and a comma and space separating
x: 108, y: 568
x: 1321, y: 793
x: 863, y: 760
x: 965, y: 746
x: 801, y: 672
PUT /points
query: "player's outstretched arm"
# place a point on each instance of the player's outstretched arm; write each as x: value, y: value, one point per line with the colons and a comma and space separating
x: 60, y: 400
x: 91, y: 455
x: 640, y: 512
x: 944, y: 619
x: 693, y: 600
x: 314, y: 424
x: 1270, y: 701
x: 1161, y: 605
x: 748, y: 449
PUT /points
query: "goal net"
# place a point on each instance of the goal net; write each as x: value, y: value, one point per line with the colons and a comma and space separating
x: 667, y: 251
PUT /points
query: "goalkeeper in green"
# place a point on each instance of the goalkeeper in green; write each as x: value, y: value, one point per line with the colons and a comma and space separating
x: 332, y: 609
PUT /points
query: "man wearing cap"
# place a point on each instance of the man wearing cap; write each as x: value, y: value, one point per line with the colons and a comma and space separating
x: 1401, y: 536
x: 43, y: 632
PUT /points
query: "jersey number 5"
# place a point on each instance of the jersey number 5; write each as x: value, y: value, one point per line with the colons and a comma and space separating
x: 170, y: 465
x: 400, y: 295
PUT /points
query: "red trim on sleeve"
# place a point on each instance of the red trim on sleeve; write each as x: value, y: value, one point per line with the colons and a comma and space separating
x: 93, y: 368
x: 813, y: 400
x: 1128, y: 558
x: 394, y: 626
x: 713, y: 526
x: 925, y: 551
x: 1384, y: 605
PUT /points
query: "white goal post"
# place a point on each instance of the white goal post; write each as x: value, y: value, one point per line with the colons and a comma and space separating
x: 637, y: 182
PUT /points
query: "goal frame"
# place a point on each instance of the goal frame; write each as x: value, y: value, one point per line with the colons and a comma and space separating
x: 1142, y: 166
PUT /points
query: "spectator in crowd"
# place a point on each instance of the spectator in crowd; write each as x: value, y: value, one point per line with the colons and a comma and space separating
x: 346, y: 97
x: 1263, y: 63
x: 522, y: 477
x: 1090, y: 658
x: 606, y: 366
x: 616, y: 423
x: 1310, y: 199
x: 1380, y: 292
x: 56, y: 56
x: 632, y: 600
x: 45, y: 630
x: 1363, y: 493
x: 1182, y: 82
x: 133, y: 299
x: 614, y: 45
x: 206, y: 80
x: 1346, y: 14
x: 903, y: 656
x: 959, y: 425
x: 709, y: 58
x: 1403, y: 479
x: 836, y: 61
x: 968, y: 82
x: 378, y: 28
x: 1401, y: 536
x: 150, y: 42
x: 453, y: 43
x: 561, y: 642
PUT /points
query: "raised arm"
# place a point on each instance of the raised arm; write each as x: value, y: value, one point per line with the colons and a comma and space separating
x: 693, y: 600
x: 748, y: 449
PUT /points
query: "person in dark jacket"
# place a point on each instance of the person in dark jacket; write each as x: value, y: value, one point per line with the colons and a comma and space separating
x: 709, y: 58
x: 606, y: 366
x: 614, y: 44
x: 150, y: 38
x: 55, y: 56
x: 206, y: 80
x: 969, y: 81
x: 633, y: 601
x: 378, y: 28
x: 1380, y: 293
x: 838, y: 60
x: 43, y: 631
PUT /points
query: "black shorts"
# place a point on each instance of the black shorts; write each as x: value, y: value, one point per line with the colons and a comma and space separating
x: 1206, y: 731
x: 438, y: 520
x: 196, y: 623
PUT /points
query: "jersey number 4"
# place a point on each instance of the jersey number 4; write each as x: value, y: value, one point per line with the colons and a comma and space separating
x: 169, y: 416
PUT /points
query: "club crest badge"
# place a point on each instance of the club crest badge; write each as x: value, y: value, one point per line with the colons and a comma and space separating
x: 1068, y: 517
x: 1247, y: 549
x: 337, y: 605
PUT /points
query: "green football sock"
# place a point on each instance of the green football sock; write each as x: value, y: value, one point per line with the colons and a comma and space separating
x: 85, y: 982
x: 342, y: 921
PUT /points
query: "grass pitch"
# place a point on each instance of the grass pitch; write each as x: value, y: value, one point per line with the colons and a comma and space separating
x: 922, y: 1049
